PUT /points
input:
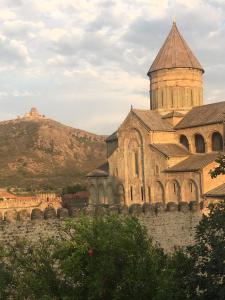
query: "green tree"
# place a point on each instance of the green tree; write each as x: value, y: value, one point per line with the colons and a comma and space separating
x: 30, y: 272
x: 110, y: 258
x: 106, y: 257
x: 220, y: 169
x: 207, y: 256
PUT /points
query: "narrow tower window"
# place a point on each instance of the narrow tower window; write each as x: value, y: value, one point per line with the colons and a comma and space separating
x: 192, y: 100
x: 174, y: 187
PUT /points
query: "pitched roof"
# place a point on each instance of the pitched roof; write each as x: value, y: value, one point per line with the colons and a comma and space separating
x: 173, y: 114
x: 175, y: 53
x: 101, y: 171
x: 112, y: 137
x: 219, y: 191
x: 152, y: 120
x: 203, y: 115
x: 171, y: 149
x: 195, y: 162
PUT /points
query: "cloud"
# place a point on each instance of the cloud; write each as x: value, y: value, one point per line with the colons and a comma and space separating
x: 85, y: 62
x: 13, y: 52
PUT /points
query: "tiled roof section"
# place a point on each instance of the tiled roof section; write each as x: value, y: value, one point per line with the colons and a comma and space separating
x: 173, y: 114
x: 219, y: 191
x: 195, y: 162
x: 112, y: 137
x: 153, y: 120
x: 203, y: 115
x: 170, y: 150
x: 102, y: 171
x: 175, y: 53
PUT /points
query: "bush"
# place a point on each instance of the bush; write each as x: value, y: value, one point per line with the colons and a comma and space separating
x: 107, y: 257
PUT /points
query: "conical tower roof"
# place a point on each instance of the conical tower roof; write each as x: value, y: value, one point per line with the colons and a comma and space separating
x: 175, y: 53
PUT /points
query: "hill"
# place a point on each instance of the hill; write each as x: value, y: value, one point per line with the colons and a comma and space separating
x: 36, y: 152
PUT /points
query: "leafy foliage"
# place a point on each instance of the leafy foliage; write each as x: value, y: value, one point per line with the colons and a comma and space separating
x: 220, y: 169
x: 107, y: 257
x: 114, y: 260
x: 207, y: 256
x: 111, y: 257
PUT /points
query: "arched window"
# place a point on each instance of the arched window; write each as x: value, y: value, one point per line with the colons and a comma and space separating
x: 136, y: 164
x: 131, y: 193
x: 199, y: 143
x: 217, y: 142
x: 184, y: 141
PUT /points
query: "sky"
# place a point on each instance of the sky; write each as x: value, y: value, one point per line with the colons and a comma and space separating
x: 84, y: 62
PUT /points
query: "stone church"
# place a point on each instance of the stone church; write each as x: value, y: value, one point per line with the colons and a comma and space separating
x: 165, y: 154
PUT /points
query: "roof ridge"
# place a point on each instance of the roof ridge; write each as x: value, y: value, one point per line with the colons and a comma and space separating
x: 214, y: 103
x: 186, y: 47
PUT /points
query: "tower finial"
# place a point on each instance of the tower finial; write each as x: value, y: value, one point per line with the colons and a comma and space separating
x: 174, y: 20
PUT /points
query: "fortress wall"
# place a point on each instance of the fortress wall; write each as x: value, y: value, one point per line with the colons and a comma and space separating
x: 172, y: 229
x: 170, y: 226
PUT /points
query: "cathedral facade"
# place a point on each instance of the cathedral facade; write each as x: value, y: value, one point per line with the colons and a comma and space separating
x: 165, y: 154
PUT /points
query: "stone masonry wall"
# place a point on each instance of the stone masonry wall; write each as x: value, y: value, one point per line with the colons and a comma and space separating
x: 170, y: 226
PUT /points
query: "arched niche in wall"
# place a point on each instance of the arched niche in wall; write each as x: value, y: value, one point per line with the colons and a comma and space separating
x: 109, y: 195
x: 93, y: 195
x: 121, y: 194
x: 199, y: 143
x: 101, y: 194
x: 158, y: 194
x: 184, y: 141
x: 173, y: 192
x: 189, y: 191
x: 217, y: 141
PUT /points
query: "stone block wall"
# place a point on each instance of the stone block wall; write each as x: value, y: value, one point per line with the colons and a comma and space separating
x: 170, y: 226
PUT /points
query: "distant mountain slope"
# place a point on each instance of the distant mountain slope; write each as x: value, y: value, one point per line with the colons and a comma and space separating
x: 42, y: 152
